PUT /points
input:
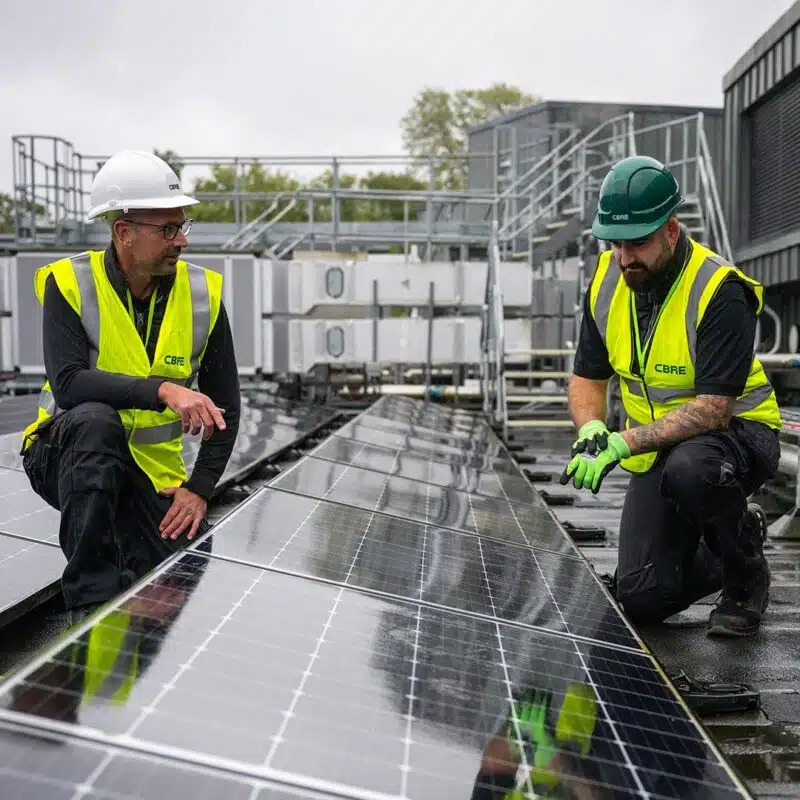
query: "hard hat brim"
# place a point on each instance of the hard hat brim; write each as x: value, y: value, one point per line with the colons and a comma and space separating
x: 156, y: 203
x: 627, y: 233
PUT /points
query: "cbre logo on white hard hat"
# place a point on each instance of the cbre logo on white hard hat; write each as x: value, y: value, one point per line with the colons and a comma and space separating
x: 174, y: 187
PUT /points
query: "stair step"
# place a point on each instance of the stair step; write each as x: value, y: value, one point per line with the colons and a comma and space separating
x: 552, y: 226
x: 536, y: 398
x: 540, y: 239
x: 544, y: 352
x: 522, y: 375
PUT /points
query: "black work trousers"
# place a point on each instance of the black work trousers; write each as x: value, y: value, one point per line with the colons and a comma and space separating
x: 110, y: 513
x: 680, y: 538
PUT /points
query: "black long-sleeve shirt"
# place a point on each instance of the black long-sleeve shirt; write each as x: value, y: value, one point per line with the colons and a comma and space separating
x: 66, y: 360
x: 725, y: 336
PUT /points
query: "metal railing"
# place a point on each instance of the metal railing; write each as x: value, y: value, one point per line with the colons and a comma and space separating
x: 567, y: 181
x: 332, y: 207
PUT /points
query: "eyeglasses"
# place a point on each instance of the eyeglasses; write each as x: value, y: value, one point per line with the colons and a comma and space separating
x: 169, y: 230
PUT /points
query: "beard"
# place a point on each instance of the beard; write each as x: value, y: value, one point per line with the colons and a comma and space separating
x: 638, y: 278
x: 641, y: 278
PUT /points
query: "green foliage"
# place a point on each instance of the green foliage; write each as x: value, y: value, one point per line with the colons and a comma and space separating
x: 172, y: 158
x: 8, y: 212
x: 437, y: 123
x: 282, y: 189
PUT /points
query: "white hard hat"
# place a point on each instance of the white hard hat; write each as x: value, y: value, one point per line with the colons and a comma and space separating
x: 136, y: 179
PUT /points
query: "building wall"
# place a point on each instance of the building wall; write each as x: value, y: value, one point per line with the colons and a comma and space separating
x: 761, y: 182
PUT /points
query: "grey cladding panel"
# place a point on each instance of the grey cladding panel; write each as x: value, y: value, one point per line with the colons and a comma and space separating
x: 28, y: 313
x: 217, y: 263
x: 775, y: 163
x: 243, y: 322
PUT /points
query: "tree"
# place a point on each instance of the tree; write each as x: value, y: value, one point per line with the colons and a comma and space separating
x: 323, y: 209
x: 384, y: 210
x: 437, y: 123
x: 280, y: 187
x: 8, y: 213
x: 172, y: 158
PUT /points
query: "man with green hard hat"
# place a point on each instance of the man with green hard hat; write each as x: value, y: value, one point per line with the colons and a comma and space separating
x: 676, y: 322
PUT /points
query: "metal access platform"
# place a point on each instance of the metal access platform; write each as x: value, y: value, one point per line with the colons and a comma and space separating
x: 367, y: 624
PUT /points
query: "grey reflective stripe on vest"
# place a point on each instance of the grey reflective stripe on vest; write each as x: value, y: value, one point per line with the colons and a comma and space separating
x: 158, y: 434
x: 704, y: 275
x: 47, y: 402
x: 752, y: 400
x: 201, y: 313
x: 90, y: 318
x: 605, y: 294
x: 657, y: 393
x: 747, y: 402
x: 90, y: 307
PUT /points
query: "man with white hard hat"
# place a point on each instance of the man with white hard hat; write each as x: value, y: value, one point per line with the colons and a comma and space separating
x: 126, y: 332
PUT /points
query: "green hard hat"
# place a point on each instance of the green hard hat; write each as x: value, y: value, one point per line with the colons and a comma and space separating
x: 636, y: 198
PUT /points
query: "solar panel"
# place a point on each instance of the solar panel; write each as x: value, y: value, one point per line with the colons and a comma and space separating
x: 425, y: 563
x: 37, y: 571
x: 286, y: 678
x: 44, y: 764
x: 24, y: 513
x: 355, y: 645
x: 459, y: 444
x: 417, y: 466
x: 27, y: 569
x: 409, y: 499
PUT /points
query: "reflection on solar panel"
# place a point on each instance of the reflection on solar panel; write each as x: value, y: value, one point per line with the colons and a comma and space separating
x: 360, y: 632
x: 30, y: 574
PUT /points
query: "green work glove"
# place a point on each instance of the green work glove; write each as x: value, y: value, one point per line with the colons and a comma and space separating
x: 531, y: 712
x: 588, y: 473
x: 592, y: 438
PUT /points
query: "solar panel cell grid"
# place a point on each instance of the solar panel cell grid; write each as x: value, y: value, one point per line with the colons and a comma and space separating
x: 355, y: 633
x: 282, y: 675
x: 283, y: 531
x: 422, y: 468
x: 491, y: 517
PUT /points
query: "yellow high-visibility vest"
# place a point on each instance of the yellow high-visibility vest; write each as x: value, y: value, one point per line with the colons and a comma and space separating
x: 111, y: 665
x: 155, y: 438
x: 665, y: 365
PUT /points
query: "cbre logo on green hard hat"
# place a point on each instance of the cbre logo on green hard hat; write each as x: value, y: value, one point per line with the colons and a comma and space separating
x: 637, y: 197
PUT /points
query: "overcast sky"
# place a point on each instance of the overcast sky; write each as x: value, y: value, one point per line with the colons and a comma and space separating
x: 261, y: 77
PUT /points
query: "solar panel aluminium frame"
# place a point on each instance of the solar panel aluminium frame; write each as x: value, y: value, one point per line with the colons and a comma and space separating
x: 103, y: 740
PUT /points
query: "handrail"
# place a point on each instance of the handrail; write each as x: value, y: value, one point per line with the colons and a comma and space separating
x: 551, y: 154
x: 576, y: 148
x: 243, y: 241
x: 631, y: 134
x: 501, y: 410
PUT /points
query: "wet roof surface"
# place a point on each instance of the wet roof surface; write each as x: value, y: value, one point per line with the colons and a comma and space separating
x: 764, y: 745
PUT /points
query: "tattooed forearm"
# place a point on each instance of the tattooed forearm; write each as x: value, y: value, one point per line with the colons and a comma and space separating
x: 707, y: 412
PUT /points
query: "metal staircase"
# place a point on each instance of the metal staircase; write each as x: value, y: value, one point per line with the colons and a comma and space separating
x: 254, y: 233
x: 550, y: 208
